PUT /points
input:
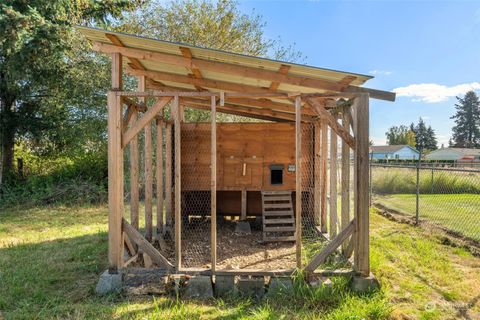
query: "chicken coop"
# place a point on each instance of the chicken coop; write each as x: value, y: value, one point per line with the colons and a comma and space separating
x: 279, y: 184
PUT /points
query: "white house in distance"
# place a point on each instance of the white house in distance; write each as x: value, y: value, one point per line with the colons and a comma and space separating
x: 454, y: 154
x: 393, y: 152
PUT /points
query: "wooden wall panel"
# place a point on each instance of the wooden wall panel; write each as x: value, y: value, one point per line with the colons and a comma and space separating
x: 245, y: 152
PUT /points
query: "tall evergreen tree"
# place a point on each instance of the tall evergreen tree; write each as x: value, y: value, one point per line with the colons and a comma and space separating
x: 36, y: 42
x: 425, y: 138
x: 466, y: 132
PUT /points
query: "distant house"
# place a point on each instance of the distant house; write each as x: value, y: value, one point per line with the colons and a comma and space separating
x: 395, y: 152
x: 454, y: 154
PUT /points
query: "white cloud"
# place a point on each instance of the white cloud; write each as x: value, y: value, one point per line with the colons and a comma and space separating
x: 380, y: 72
x: 432, y: 92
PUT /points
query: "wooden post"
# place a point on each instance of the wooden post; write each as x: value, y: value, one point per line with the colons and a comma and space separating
x: 298, y: 180
x: 323, y: 203
x: 317, y: 174
x: 345, y: 216
x: 134, y: 191
x: 168, y: 175
x: 333, y: 184
x: 243, y: 214
x: 115, y: 183
x: 115, y: 169
x: 213, y: 184
x: 159, y: 177
x: 178, y: 187
x: 362, y: 254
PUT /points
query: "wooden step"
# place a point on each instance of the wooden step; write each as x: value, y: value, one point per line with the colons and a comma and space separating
x: 277, y: 198
x: 279, y: 192
x: 275, y: 239
x: 278, y: 229
x: 277, y: 213
x: 277, y: 205
x: 278, y: 221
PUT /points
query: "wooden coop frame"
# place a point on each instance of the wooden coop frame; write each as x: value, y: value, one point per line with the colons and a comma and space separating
x: 177, y: 75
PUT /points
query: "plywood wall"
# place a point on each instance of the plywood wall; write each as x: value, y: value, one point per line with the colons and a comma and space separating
x: 245, y: 152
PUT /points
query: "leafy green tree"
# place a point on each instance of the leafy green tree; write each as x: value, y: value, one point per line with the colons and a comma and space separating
x: 41, y: 65
x: 466, y: 132
x: 211, y: 24
x: 400, y: 135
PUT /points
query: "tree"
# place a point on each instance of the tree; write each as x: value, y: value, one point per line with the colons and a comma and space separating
x: 466, y: 132
x: 424, y: 136
x: 36, y: 66
x: 400, y: 135
x: 211, y: 24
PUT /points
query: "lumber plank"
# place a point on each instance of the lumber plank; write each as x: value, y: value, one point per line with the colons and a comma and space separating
x: 333, y: 123
x: 243, y: 213
x: 213, y: 183
x: 178, y: 188
x: 345, y: 195
x: 115, y: 183
x: 145, y: 246
x: 168, y: 175
x: 298, y: 180
x: 362, y: 254
x: 146, y: 118
x: 333, y: 184
x: 323, y: 174
x: 242, y: 71
x: 319, y: 258
x: 159, y: 177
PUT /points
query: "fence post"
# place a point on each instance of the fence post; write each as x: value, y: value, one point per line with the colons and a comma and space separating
x: 370, y: 181
x: 417, y: 198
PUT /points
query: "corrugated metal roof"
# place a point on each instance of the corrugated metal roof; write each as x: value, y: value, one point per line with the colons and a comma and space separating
x: 137, y: 42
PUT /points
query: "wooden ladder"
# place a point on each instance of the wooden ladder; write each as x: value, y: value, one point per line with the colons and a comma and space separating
x: 277, y: 216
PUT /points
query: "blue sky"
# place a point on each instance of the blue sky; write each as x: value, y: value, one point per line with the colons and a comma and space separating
x: 427, y: 51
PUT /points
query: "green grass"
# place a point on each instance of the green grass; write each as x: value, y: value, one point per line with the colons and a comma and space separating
x: 51, y: 257
x: 456, y: 212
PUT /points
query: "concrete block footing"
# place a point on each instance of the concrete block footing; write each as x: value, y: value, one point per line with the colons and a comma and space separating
x: 251, y: 287
x: 362, y: 284
x: 199, y: 287
x: 109, y: 283
x: 225, y: 285
x: 280, y: 285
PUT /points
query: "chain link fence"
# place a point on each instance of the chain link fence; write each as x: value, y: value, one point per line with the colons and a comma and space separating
x: 441, y: 197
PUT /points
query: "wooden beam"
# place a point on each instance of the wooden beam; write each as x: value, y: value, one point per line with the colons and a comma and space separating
x: 347, y: 80
x: 250, y: 110
x: 178, y: 180
x: 345, y: 203
x: 243, y: 213
x: 333, y: 184
x: 330, y: 247
x: 115, y: 183
x: 117, y: 71
x: 362, y: 250
x: 159, y: 177
x: 333, y: 123
x: 146, y: 246
x: 238, y: 113
x: 241, y: 71
x: 213, y: 184
x: 168, y: 174
x: 298, y: 180
x: 317, y: 173
x: 148, y: 180
x: 146, y: 118
x: 116, y: 41
x: 323, y: 174
x: 282, y: 70
x: 194, y: 70
x: 217, y: 84
x: 139, y: 106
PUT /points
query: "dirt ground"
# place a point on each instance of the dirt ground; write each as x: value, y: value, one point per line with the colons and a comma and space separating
x: 234, y: 250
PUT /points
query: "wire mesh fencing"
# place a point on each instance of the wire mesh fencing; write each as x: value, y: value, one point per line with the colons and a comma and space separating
x: 440, y: 197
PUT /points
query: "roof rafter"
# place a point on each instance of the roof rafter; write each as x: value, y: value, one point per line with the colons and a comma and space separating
x: 242, y: 71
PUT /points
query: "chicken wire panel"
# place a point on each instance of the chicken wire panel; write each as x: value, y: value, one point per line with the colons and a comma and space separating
x: 196, y: 194
x: 310, y: 209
